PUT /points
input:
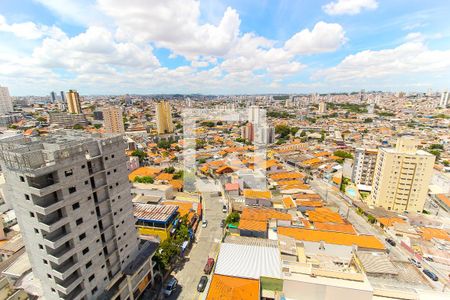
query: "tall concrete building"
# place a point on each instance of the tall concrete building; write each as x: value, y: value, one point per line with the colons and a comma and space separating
x: 72, y: 199
x: 6, y: 104
x: 164, y: 122
x: 322, y: 107
x: 364, y: 167
x: 402, y: 175
x: 113, y: 120
x: 248, y: 132
x: 53, y: 97
x: 73, y: 102
x: 265, y: 135
x: 444, y: 99
x: 63, y: 97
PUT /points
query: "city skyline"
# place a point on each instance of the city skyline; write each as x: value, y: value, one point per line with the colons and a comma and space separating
x: 223, y: 47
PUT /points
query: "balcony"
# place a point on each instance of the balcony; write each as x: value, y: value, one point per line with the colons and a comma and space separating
x: 44, y: 184
x: 52, y: 221
x: 60, y: 254
x: 64, y: 270
x: 56, y: 238
x: 76, y: 294
x: 68, y: 285
x: 45, y: 204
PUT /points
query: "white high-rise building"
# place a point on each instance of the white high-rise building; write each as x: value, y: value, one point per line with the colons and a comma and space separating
x: 444, y: 99
x: 401, y: 176
x: 255, y: 115
x: 72, y: 199
x: 364, y: 167
x: 6, y: 104
x: 322, y: 107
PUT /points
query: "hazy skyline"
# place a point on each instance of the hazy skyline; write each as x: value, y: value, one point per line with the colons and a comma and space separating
x: 223, y: 47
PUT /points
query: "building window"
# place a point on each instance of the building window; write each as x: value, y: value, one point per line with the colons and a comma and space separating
x: 49, y: 276
x: 76, y: 206
x: 106, y: 158
x: 79, y: 221
x: 94, y: 290
x: 53, y: 290
x: 31, y: 214
x: 82, y: 236
x: 36, y: 231
x: 45, y: 262
x: 68, y: 172
x: 72, y: 190
x: 83, y: 166
x: 27, y: 197
x: 86, y: 182
x: 88, y: 265
x: 112, y: 156
x: 41, y: 247
x: 22, y: 178
x: 85, y: 250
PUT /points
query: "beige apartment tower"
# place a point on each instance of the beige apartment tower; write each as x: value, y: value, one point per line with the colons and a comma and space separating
x: 402, y: 175
x: 164, y: 117
x: 113, y: 120
x: 73, y: 102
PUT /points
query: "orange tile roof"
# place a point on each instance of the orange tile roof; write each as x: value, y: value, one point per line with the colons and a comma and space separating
x: 144, y: 171
x: 288, y: 202
x: 246, y: 224
x: 312, y: 161
x: 263, y: 214
x: 286, y: 175
x: 233, y: 288
x: 215, y: 163
x: 388, y: 222
x: 309, y: 203
x: 257, y: 194
x: 324, y: 215
x: 306, y: 223
x: 320, y: 154
x: 204, y: 168
x: 337, y: 180
x: 337, y: 238
x: 444, y: 199
x: 429, y: 233
x: 347, y: 228
x: 291, y: 182
x: 164, y: 176
x: 225, y: 169
x: 176, y: 183
x: 307, y: 196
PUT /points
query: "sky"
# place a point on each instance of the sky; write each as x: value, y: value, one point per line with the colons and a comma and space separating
x: 223, y: 46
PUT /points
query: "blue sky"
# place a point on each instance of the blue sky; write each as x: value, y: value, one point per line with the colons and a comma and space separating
x: 223, y: 47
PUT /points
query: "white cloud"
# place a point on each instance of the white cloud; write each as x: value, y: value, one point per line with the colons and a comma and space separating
x: 324, y: 37
x: 174, y: 25
x: 349, y: 7
x: 405, y: 60
x: 93, y: 51
x: 29, y: 30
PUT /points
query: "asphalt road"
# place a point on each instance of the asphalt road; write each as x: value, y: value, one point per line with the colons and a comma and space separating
x: 207, y: 245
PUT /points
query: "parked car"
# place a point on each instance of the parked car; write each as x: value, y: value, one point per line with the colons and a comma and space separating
x: 209, y: 265
x: 222, y: 223
x: 431, y: 275
x: 428, y: 258
x: 390, y: 241
x: 415, y: 262
x: 224, y: 209
x: 170, y: 286
x: 204, y: 223
x: 202, y: 283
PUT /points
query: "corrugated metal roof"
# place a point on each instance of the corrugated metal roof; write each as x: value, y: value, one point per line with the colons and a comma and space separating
x: 247, y: 261
x: 152, y: 212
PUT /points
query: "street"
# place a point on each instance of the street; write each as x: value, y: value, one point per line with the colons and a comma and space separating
x: 207, y: 245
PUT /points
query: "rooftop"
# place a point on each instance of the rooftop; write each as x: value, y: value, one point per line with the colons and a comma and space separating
x: 233, y: 288
x: 155, y: 213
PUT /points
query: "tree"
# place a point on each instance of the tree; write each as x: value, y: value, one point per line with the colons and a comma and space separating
x: 78, y: 127
x: 294, y: 130
x: 167, y: 250
x: 97, y: 126
x: 164, y: 144
x: 233, y: 218
x: 139, y: 153
x: 41, y: 119
x: 342, y: 154
x: 446, y: 163
x: 199, y: 144
x: 368, y: 120
x: 282, y: 130
x: 437, y: 146
x: 436, y: 153
x: 201, y: 161
x: 178, y: 174
x: 169, y: 170
x: 144, y: 179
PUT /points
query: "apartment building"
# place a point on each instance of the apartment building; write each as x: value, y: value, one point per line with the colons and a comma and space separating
x: 73, y: 102
x: 113, y: 120
x: 364, y: 166
x: 164, y: 122
x: 402, y: 175
x: 67, y: 120
x: 6, y: 104
x: 71, y: 195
